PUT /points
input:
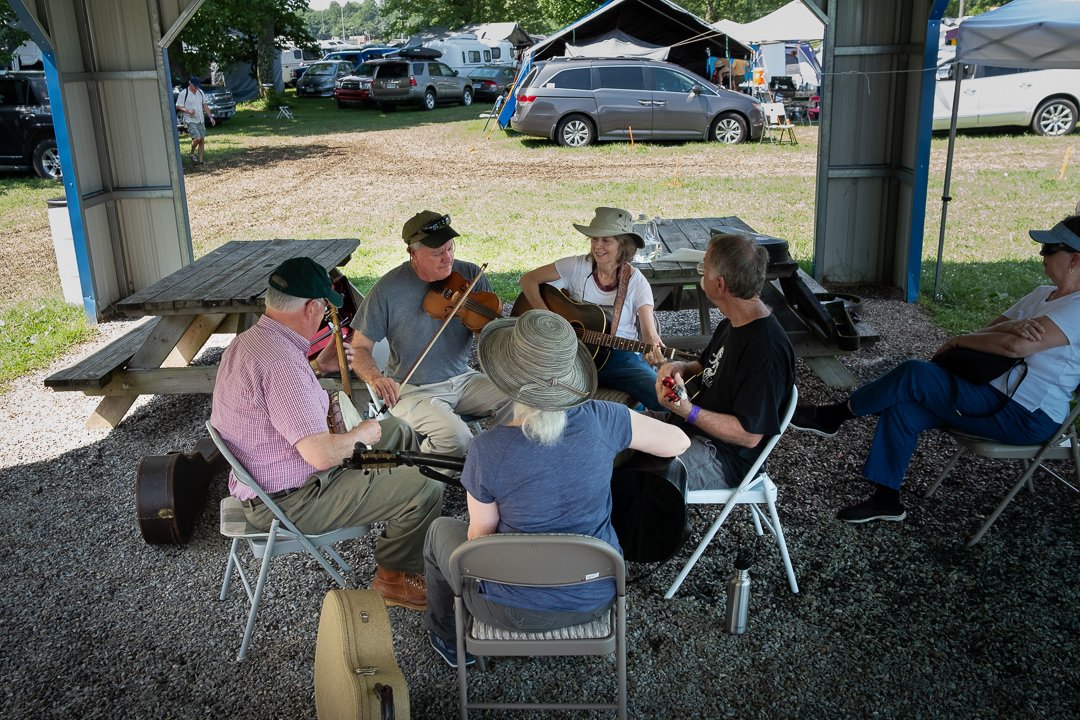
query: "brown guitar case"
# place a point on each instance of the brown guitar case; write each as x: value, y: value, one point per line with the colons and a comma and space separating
x: 356, y: 674
x: 170, y: 491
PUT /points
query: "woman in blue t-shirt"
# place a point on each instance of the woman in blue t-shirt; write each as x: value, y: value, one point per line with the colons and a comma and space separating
x: 546, y: 471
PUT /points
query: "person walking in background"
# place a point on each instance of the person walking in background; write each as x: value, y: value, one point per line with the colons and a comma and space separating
x: 191, y: 104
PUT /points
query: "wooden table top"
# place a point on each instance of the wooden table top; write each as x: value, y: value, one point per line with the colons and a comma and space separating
x: 693, y: 233
x: 231, y: 278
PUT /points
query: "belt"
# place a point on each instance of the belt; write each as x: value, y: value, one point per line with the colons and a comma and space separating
x: 256, y: 502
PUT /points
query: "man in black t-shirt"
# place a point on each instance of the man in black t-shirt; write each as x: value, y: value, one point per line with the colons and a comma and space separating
x: 746, y: 372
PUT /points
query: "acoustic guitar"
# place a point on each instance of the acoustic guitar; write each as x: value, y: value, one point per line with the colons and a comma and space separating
x: 648, y: 497
x: 591, y: 323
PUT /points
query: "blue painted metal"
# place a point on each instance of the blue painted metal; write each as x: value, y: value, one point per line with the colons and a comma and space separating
x: 63, y: 147
x: 922, y: 151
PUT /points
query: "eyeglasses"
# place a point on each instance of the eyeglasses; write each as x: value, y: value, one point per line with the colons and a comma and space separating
x: 439, y: 224
x: 1049, y: 249
x: 701, y: 268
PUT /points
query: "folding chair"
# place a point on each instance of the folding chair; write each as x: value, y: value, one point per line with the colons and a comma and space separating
x: 284, y: 113
x: 1062, y: 445
x: 756, y: 488
x: 776, y: 119
x: 282, y: 538
x: 540, y: 560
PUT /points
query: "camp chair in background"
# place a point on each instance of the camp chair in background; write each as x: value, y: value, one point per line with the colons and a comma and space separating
x: 1062, y: 445
x: 776, y: 119
x: 538, y: 561
x: 281, y: 539
x: 756, y: 488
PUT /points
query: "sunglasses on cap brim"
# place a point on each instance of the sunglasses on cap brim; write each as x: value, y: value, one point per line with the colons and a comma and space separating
x: 438, y: 224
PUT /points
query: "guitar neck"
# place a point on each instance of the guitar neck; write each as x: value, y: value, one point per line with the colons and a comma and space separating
x: 592, y: 337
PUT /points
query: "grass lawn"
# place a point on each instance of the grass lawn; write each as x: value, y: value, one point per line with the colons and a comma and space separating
x: 360, y: 173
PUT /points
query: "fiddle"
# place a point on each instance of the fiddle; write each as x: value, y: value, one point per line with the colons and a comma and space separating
x: 444, y: 300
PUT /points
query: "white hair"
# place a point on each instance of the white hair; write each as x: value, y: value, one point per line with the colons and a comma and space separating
x: 542, y: 426
x: 282, y: 302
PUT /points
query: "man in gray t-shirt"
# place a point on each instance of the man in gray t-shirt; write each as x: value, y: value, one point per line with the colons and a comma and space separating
x: 443, y: 387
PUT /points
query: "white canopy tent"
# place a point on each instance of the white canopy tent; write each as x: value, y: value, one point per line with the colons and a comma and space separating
x: 1023, y: 34
x: 793, y: 21
x: 786, y: 29
x: 616, y: 43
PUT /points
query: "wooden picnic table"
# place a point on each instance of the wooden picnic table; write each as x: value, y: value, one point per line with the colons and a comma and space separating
x: 669, y: 280
x: 221, y: 292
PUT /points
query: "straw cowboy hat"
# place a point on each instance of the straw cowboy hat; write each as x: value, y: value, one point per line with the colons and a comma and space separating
x: 537, y: 360
x: 610, y: 222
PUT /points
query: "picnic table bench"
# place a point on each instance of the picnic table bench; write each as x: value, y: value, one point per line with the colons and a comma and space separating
x: 221, y: 292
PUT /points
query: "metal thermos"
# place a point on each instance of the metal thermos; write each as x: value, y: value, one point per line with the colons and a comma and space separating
x: 738, y: 594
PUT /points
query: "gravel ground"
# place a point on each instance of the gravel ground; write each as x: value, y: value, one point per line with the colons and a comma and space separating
x: 892, y: 619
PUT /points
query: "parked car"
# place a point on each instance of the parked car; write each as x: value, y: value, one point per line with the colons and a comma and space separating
x: 414, y: 78
x: 578, y: 101
x: 26, y: 126
x: 1044, y: 100
x: 218, y: 98
x: 362, y: 55
x: 294, y: 62
x: 355, y: 90
x: 492, y: 81
x: 320, y: 77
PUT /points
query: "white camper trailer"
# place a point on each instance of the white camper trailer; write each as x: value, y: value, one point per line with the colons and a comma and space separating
x: 463, y: 51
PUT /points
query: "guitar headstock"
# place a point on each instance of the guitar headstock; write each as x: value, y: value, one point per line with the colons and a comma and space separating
x: 365, y: 459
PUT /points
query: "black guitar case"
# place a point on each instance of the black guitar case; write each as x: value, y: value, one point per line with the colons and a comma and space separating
x: 648, y: 507
x: 170, y: 491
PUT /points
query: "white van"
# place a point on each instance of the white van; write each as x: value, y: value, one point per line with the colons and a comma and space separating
x: 463, y: 52
x: 1044, y: 100
x: 292, y: 58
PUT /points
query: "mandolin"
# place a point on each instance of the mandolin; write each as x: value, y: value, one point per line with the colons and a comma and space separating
x: 591, y: 323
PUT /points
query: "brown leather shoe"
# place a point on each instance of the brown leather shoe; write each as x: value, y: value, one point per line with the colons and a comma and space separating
x: 398, y: 588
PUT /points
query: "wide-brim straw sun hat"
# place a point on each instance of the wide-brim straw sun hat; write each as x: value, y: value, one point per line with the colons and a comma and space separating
x: 609, y: 222
x: 537, y: 360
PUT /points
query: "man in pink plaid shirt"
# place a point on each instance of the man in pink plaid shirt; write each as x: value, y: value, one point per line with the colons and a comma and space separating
x: 271, y: 411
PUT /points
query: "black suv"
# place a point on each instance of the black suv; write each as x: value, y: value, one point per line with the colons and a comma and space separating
x: 26, y: 126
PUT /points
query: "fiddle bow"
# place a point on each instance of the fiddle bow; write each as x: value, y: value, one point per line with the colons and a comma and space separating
x: 446, y: 321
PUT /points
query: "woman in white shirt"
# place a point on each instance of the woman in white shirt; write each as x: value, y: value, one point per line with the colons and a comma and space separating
x: 596, y: 278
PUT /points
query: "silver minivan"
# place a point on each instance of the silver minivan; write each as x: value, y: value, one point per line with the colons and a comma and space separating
x: 423, y: 82
x: 578, y: 101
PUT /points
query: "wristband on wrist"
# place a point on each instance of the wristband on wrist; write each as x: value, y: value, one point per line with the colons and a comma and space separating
x: 691, y: 417
x: 315, y: 367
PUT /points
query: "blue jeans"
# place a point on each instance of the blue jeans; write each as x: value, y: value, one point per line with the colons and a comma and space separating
x: 918, y: 395
x: 628, y: 371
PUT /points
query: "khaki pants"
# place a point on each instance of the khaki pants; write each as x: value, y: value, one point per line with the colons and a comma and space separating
x: 338, y: 497
x: 434, y: 410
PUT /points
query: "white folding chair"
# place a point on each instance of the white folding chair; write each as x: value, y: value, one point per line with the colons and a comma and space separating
x: 1062, y: 445
x: 756, y: 488
x: 282, y: 538
x: 776, y: 119
x: 540, y: 560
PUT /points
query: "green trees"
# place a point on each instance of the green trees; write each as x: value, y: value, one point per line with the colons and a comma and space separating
x: 232, y: 31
